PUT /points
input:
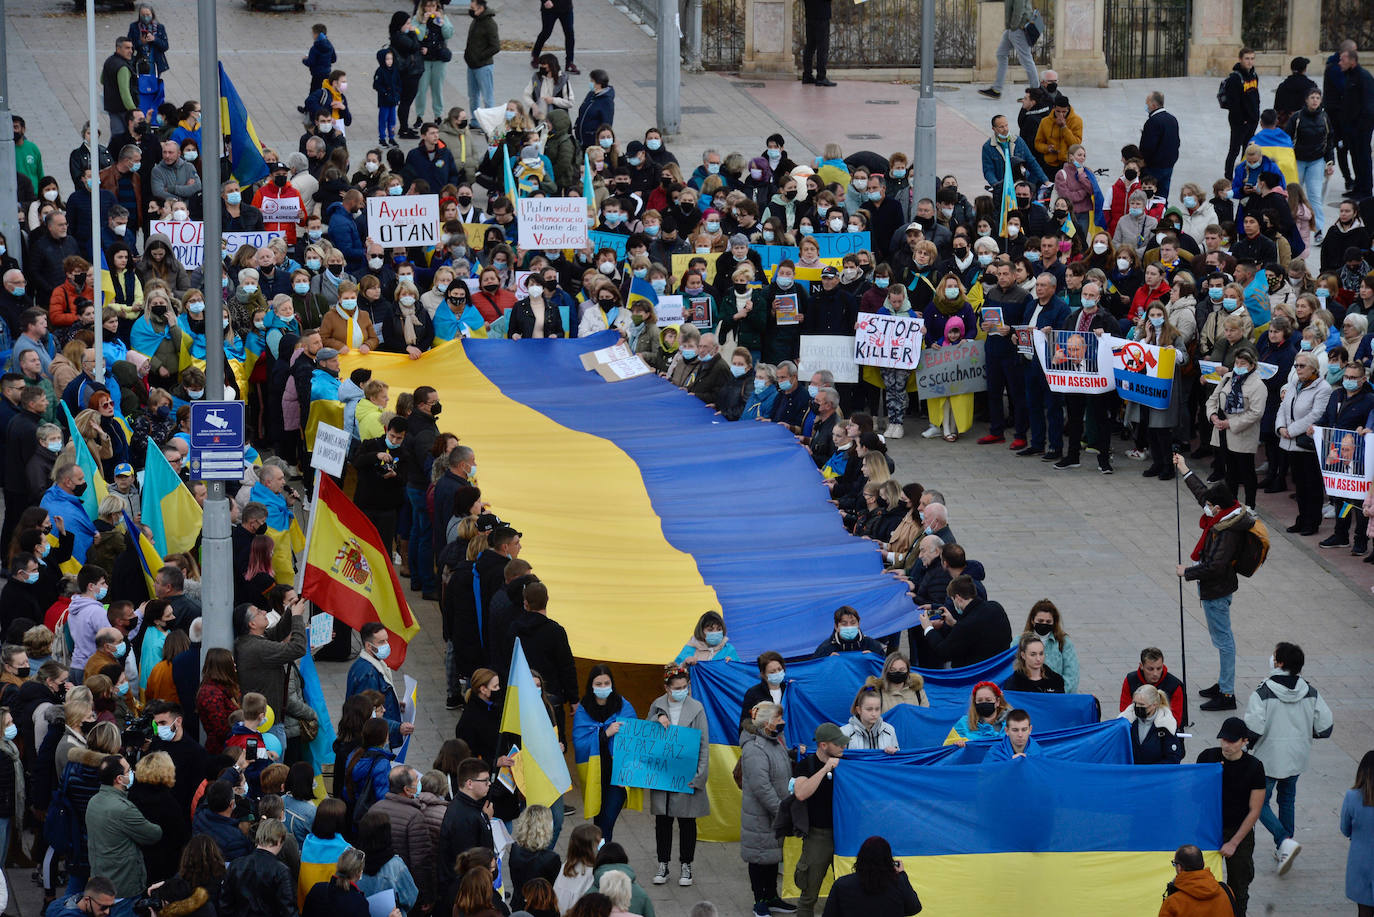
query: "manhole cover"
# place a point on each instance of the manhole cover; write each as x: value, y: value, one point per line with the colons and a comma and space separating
x: 864, y: 136
x: 698, y: 110
x: 882, y: 102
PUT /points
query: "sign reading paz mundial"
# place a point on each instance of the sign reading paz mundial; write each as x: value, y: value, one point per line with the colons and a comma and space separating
x: 553, y: 222
x: 404, y: 221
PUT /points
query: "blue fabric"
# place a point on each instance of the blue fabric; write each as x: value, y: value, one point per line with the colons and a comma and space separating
x: 1029, y: 804
x: 60, y: 503
x: 922, y: 727
x: 779, y: 601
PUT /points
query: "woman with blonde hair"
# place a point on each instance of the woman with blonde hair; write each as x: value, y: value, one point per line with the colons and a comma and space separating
x: 898, y: 684
x: 1154, y: 738
x: 78, y: 714
x: 154, y: 777
x: 531, y: 856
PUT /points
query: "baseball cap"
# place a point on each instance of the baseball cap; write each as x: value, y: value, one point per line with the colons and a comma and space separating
x: 829, y: 271
x: 488, y: 522
x: 505, y: 530
x: 829, y: 732
x: 280, y: 166
x: 1234, y: 729
x: 124, y: 468
x: 326, y: 353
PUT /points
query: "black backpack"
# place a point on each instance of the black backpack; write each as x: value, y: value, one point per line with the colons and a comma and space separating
x: 1223, y: 97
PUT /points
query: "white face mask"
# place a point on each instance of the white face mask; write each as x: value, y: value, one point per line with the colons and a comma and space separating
x: 180, y: 216
x: 1013, y: 232
x: 1100, y: 248
x: 372, y: 166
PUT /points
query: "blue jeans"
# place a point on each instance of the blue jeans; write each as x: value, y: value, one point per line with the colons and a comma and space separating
x: 1281, y: 825
x: 481, y: 87
x: 421, y: 558
x: 557, y: 811
x: 1218, y: 613
x: 1312, y: 176
x: 612, y: 801
x: 386, y: 122
x: 1043, y: 405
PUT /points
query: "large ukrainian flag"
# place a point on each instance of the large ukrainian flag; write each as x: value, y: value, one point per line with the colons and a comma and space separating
x: 640, y: 510
x: 1031, y: 837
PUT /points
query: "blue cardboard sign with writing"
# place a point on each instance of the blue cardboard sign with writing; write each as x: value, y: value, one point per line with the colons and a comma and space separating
x: 839, y: 244
x: 599, y: 239
x: 655, y: 757
x: 773, y: 255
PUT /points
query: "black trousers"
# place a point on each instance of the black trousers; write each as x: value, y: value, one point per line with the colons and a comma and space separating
x: 663, y: 837
x: 1239, y: 471
x: 1094, y: 407
x: 817, y: 47
x: 1241, y: 132
x: 409, y: 86
x: 763, y: 879
x: 16, y: 501
x: 1307, y: 481
x: 1356, y: 517
x: 547, y: 18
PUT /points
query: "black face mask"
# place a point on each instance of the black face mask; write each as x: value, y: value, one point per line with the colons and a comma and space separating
x: 741, y: 287
x: 79, y: 489
x: 666, y: 180
x: 1044, y: 630
x: 985, y: 707
x: 465, y: 200
x: 789, y: 195
x: 1130, y: 174
x: 160, y: 311
x: 434, y: 411
x: 457, y: 305
x: 960, y: 251
x: 1052, y: 87
x: 606, y: 304
x: 22, y: 671
x: 279, y: 181
x: 1142, y: 713
x: 79, y: 280
x: 898, y: 678
x: 1023, y: 202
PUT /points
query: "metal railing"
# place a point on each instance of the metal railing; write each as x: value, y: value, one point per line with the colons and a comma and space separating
x: 1146, y: 39
x: 1342, y: 19
x: 1264, y: 25
x: 887, y: 33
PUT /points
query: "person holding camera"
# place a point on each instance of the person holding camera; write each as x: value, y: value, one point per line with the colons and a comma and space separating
x: 1234, y: 409
x: 382, y: 471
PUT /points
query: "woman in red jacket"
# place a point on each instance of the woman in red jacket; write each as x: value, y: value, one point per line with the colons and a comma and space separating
x: 1154, y: 288
x: 217, y: 698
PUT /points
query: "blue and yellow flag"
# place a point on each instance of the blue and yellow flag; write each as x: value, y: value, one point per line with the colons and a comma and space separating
x: 321, y: 748
x: 511, y: 191
x: 636, y: 289
x: 588, y: 192
x: 149, y: 561
x: 245, y: 150
x: 169, y: 508
x: 540, y: 769
x: 1063, y: 839
x: 586, y: 736
x: 96, y: 488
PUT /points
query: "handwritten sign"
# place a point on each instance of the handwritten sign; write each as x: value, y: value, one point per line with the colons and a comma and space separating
x: 281, y: 209
x: 599, y: 238
x: 839, y: 244
x: 188, y: 240
x: 594, y: 358
x: 549, y: 223
x: 331, y: 449
x: 889, y: 341
x: 258, y: 238
x: 404, y: 221
x: 682, y: 262
x: 954, y: 369
x: 834, y: 352
x: 668, y: 311
x: 656, y: 758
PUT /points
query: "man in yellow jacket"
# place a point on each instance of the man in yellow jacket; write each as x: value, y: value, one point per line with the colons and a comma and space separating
x: 1061, y: 130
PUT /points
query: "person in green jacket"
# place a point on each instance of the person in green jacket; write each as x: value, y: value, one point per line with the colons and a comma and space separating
x: 484, y: 43
x: 115, y: 830
x: 744, y: 312
x: 28, y: 158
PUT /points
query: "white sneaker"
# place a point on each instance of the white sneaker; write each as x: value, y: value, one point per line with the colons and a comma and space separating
x: 1328, y: 511
x: 895, y: 431
x: 931, y: 432
x: 686, y: 877
x: 1286, y: 853
x: 661, y: 877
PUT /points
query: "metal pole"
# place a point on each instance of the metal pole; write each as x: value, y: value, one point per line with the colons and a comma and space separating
x: 217, y: 558
x: 93, y: 146
x: 694, y: 36
x: 669, y: 103
x: 9, y: 181
x: 923, y: 154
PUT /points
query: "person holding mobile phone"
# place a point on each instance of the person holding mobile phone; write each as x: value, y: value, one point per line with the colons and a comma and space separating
x: 878, y: 886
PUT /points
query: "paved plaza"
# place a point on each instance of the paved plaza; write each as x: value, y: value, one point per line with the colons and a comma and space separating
x: 1103, y: 549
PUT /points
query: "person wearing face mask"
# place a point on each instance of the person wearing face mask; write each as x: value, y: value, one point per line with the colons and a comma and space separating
x: 676, y: 707
x: 1005, y: 151
x: 847, y: 636
x: 607, y: 312
x: 1154, y: 738
x: 709, y: 641
x: 765, y: 775
x: 346, y: 327
x: 1348, y: 408
x: 595, y: 724
x: 383, y: 467
x: 408, y: 328
x: 280, y: 204
x: 371, y: 672
x: 536, y: 315
x: 1136, y: 228
x: 1234, y: 409
x: 986, y: 716
x: 785, y: 306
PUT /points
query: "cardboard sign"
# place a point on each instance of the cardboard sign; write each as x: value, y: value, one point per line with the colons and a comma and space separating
x: 405, y: 221
x: 834, y: 352
x: 281, y: 209
x: 682, y: 262
x: 1346, y: 469
x: 620, y: 370
x: 773, y: 255
x: 188, y: 240
x: 549, y: 223
x: 954, y: 369
x: 233, y: 241
x: 655, y: 757
x: 839, y: 244
x: 1144, y: 373
x: 1211, y: 370
x: 1078, y: 363
x: 889, y: 341
x: 594, y: 358
x: 599, y: 238
x: 476, y: 234
x: 331, y: 450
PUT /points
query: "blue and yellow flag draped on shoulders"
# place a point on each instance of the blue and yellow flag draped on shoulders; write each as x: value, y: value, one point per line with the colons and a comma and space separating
x: 591, y: 766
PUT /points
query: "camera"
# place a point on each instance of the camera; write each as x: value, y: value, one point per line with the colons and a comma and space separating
x: 147, y: 905
x: 136, y: 735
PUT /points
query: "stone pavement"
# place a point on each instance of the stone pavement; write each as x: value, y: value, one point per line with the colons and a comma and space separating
x: 1098, y: 546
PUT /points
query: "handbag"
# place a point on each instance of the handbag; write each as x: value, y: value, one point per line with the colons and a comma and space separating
x: 1033, y: 29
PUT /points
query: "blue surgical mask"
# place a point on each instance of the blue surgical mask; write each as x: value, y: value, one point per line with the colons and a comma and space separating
x: 166, y: 733
x: 1351, y: 385
x: 785, y: 385
x: 384, y: 651
x: 634, y: 160
x: 652, y: 229
x: 659, y: 284
x: 1033, y: 257
x: 706, y: 357
x: 654, y: 144
x: 1189, y: 201
x: 10, y: 732
x: 1322, y: 292
x: 312, y: 264
x: 602, y: 693
x: 899, y: 173
x: 806, y: 230
x: 1305, y: 345
x: 1333, y: 374
x: 1215, y: 294
x: 301, y: 288
x: 713, y: 225
x: 315, y: 235
x: 714, y: 637
x: 122, y: 690
x: 640, y: 272
x: 849, y: 632
x: 1137, y: 211
x: 768, y: 235
x: 233, y: 198
x: 395, y: 190
x: 881, y: 282
x: 104, y: 591
x: 1157, y: 321
x: 776, y: 678
x: 784, y: 283
x: 985, y: 259
x: 688, y: 353
x: 713, y: 168
x: 1229, y: 303
x: 812, y: 390
x: 678, y: 694
x: 760, y: 385
x: 738, y: 371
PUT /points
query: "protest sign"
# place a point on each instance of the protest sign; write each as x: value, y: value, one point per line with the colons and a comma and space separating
x: 682, y: 262
x: 834, y: 352
x: 620, y: 370
x: 773, y: 255
x: 405, y: 221
x: 1344, y: 454
x: 188, y: 240
x: 785, y: 309
x: 233, y: 241
x: 952, y: 369
x: 1211, y: 370
x: 599, y: 239
x: 655, y: 757
x: 476, y: 234
x: 549, y: 223
x: 594, y: 358
x: 1143, y: 372
x: 839, y: 244
x: 668, y: 311
x: 697, y: 310
x: 331, y: 449
x: 1024, y: 339
x: 281, y: 209
x: 1078, y: 363
x: 889, y: 341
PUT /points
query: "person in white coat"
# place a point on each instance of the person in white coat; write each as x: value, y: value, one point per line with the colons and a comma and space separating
x: 1198, y: 212
x: 1303, y: 404
x: 866, y: 728
x: 1288, y: 714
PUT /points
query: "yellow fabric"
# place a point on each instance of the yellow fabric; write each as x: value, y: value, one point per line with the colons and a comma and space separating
x: 722, y: 825
x: 962, y: 406
x: 589, y: 775
x: 286, y: 545
x: 600, y: 593
x: 1122, y: 884
x: 791, y: 852
x: 330, y: 412
x: 311, y: 874
x: 1286, y: 160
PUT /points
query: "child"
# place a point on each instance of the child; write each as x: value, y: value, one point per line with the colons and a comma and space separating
x: 320, y: 58
x: 387, y: 81
x: 330, y: 100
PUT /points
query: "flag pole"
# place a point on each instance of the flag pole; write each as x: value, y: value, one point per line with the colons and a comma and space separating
x: 309, y: 529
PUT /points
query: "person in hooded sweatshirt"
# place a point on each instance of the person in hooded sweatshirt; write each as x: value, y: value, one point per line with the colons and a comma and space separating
x: 547, y: 651
x: 1195, y: 892
x: 1287, y: 713
x: 710, y: 640
x: 866, y: 728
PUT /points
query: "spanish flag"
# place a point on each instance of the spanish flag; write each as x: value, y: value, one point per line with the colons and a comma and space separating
x: 169, y: 509
x: 540, y: 770
x: 348, y: 572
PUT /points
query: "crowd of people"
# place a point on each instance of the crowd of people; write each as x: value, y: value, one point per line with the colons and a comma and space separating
x: 145, y: 778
